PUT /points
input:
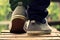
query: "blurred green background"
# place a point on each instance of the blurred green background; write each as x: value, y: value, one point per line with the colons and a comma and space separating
x: 53, y: 15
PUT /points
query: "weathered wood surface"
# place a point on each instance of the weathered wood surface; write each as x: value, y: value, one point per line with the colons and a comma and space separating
x: 4, y: 22
x: 55, y: 35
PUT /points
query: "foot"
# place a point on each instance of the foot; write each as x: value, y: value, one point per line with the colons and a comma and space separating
x: 17, y: 23
x: 31, y: 27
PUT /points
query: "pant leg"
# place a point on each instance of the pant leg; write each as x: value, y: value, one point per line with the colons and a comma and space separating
x: 37, y: 10
x: 14, y: 4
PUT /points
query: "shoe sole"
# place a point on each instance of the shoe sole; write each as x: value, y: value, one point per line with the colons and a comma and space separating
x: 17, y: 26
x: 38, y: 32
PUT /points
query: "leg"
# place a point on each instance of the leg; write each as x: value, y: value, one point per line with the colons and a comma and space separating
x: 37, y: 13
x: 37, y: 9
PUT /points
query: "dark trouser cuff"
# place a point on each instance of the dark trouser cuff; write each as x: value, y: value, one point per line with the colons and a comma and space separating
x: 39, y: 17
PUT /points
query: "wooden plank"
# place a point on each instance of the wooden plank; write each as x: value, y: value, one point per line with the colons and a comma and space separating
x: 34, y: 38
x: 4, y: 22
x: 55, y: 35
x: 54, y: 23
x: 25, y: 36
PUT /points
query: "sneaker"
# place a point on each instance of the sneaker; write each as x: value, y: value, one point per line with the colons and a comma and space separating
x: 17, y: 20
x: 31, y: 27
x: 17, y: 23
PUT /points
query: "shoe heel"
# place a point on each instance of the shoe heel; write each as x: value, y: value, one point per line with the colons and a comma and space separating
x: 17, y: 24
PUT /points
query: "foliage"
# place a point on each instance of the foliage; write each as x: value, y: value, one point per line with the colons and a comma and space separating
x: 4, y: 9
x: 54, y: 11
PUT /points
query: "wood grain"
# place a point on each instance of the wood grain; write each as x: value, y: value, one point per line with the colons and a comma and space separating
x: 6, y: 35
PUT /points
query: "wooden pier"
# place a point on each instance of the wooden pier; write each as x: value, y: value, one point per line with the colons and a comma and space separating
x: 5, y: 35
